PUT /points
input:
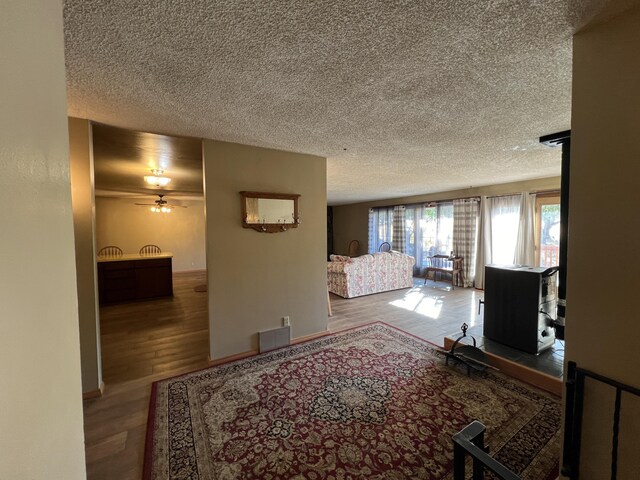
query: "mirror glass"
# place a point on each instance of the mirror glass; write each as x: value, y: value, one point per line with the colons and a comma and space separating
x: 270, y: 210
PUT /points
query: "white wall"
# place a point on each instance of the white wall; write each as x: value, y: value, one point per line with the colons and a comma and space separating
x: 603, y: 329
x: 120, y: 222
x: 257, y: 278
x: 40, y: 392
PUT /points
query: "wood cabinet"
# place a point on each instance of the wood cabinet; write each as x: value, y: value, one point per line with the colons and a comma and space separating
x: 126, y: 278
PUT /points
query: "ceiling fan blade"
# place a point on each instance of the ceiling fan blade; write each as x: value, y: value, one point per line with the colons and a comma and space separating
x: 160, y: 203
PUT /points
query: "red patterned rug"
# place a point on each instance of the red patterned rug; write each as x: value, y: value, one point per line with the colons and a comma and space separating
x: 372, y: 402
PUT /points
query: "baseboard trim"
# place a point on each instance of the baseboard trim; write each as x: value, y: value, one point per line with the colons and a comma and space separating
x: 197, y: 270
x: 251, y: 353
x: 307, y: 338
x: 94, y: 393
x: 231, y: 358
x: 527, y: 375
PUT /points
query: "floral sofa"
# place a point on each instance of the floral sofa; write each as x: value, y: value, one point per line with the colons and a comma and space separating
x: 353, y: 277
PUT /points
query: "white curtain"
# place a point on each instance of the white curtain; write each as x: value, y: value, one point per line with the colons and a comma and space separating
x: 498, y: 233
x: 505, y: 219
x: 526, y: 241
x: 465, y: 220
x: 483, y: 255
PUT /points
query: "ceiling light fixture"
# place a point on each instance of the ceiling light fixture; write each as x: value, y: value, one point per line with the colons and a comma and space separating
x: 161, y: 209
x: 157, y: 180
x: 161, y: 205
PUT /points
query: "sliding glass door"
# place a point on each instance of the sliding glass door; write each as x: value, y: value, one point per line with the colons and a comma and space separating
x: 429, y: 231
x: 547, y: 230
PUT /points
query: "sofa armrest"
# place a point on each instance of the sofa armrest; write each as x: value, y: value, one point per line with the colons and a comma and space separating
x: 336, y: 267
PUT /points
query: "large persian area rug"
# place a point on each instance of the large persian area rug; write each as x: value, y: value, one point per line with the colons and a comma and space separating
x: 372, y: 402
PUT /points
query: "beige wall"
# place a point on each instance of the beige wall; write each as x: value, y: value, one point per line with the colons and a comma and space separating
x: 40, y: 389
x: 82, y: 195
x: 602, y: 315
x: 257, y: 278
x: 120, y: 222
x: 351, y: 222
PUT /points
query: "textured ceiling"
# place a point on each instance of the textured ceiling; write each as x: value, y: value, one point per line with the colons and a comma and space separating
x: 403, y: 97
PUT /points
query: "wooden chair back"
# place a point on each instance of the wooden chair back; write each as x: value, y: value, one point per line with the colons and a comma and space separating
x: 354, y: 247
x: 110, y: 251
x: 440, y: 261
x: 150, y: 250
x: 384, y: 247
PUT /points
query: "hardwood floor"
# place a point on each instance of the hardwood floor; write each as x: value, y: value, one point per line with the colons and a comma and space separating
x: 433, y: 312
x: 429, y: 311
x: 141, y: 342
x: 145, y: 341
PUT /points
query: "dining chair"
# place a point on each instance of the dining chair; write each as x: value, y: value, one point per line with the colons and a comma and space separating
x: 354, y: 247
x: 110, y: 251
x: 150, y: 250
x: 384, y: 247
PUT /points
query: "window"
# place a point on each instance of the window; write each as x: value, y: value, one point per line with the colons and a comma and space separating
x: 547, y: 230
x: 380, y: 227
x: 429, y: 231
x: 437, y: 229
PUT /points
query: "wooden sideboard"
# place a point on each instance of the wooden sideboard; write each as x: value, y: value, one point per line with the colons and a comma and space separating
x: 134, y: 277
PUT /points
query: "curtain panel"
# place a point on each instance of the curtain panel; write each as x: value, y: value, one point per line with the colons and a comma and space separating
x: 380, y: 227
x: 465, y: 230
x: 399, y: 236
x: 483, y: 250
x: 506, y: 232
x: 504, y: 221
x: 413, y: 247
x: 526, y: 242
x: 373, y: 219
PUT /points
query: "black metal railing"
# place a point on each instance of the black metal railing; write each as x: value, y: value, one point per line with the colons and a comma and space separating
x: 573, y: 418
x: 470, y: 441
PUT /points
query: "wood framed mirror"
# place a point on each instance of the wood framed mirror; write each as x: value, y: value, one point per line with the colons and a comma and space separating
x: 270, y: 212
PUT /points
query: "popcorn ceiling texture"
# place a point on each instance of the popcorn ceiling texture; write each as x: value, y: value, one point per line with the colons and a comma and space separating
x: 425, y: 96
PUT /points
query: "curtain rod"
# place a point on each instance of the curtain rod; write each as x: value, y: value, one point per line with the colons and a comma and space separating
x: 536, y: 192
x: 425, y: 202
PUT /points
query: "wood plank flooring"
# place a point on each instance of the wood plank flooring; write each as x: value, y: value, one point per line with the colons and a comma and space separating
x: 141, y: 342
x: 433, y: 312
x: 430, y: 311
x: 146, y: 341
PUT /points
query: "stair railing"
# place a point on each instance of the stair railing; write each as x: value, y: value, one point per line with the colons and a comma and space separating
x: 470, y: 441
x: 573, y: 418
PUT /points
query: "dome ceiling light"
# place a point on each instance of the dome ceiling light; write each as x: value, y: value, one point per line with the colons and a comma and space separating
x: 157, y: 180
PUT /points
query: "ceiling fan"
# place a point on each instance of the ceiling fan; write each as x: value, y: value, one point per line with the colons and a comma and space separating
x: 161, y: 205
